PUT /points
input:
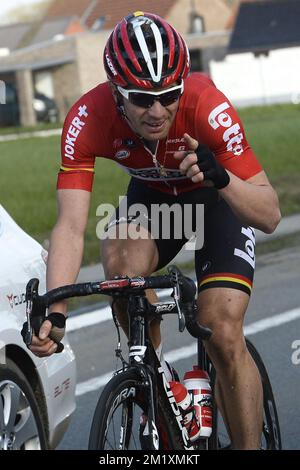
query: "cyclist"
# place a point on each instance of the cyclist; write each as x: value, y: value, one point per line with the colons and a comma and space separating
x: 182, y: 142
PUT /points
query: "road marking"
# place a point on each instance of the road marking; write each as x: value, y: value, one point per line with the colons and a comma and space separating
x: 187, y: 351
x: 89, y: 319
x: 101, y: 315
x: 93, y: 384
x: 29, y: 135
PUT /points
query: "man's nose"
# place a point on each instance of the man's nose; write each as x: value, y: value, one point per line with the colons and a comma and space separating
x: 157, y: 109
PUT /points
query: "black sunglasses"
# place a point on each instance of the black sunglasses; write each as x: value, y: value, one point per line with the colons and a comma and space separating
x: 146, y: 99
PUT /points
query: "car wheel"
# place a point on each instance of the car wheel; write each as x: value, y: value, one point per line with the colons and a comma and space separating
x: 21, y: 425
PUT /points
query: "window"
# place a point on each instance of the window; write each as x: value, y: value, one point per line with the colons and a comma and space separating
x: 196, y: 23
x: 98, y: 24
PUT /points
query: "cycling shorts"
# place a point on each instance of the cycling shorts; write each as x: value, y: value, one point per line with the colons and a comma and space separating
x: 226, y: 258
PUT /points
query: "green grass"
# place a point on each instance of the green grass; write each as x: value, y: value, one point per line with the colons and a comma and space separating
x: 27, y: 188
x: 38, y: 127
x: 273, y: 132
x: 29, y: 168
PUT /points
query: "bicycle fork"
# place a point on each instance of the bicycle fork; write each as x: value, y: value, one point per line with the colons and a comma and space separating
x: 139, y: 343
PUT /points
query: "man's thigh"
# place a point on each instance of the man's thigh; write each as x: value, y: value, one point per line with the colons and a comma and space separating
x: 227, y: 259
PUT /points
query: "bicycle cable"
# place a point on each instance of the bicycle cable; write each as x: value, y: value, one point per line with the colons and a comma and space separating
x: 118, y: 349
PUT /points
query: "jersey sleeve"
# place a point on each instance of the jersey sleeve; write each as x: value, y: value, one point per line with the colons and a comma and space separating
x: 77, y: 156
x: 218, y: 126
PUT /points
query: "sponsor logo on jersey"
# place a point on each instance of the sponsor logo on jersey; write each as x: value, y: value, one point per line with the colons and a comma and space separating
x: 117, y: 143
x: 153, y: 175
x: 206, y: 266
x: 175, y: 141
x: 121, y: 154
x: 232, y: 135
x: 74, y: 131
x: 129, y: 143
x: 248, y: 254
x: 171, y: 143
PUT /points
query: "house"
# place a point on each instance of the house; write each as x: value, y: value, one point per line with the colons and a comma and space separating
x: 265, y: 42
x: 61, y: 55
x: 11, y: 37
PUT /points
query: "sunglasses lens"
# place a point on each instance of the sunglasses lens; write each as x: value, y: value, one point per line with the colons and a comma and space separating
x: 169, y: 97
x: 146, y: 100
x: 143, y: 100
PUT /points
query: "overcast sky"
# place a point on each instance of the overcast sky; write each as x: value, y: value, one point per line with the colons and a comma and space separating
x: 6, y: 5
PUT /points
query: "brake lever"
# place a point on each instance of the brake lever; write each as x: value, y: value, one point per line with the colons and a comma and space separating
x: 29, y: 332
x: 35, y: 310
x: 176, y: 296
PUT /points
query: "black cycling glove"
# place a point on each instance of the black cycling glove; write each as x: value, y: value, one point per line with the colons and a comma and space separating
x: 212, y: 170
x: 57, y: 332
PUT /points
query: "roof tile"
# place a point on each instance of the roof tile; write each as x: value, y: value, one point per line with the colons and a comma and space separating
x: 112, y: 11
x: 266, y: 24
x: 67, y: 8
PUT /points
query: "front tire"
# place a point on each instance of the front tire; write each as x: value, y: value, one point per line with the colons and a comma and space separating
x: 116, y: 422
x: 21, y: 424
x: 271, y: 428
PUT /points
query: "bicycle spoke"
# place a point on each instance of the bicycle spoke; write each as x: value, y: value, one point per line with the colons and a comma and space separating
x: 122, y: 427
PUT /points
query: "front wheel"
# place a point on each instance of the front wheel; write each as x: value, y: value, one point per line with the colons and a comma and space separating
x: 120, y: 419
x: 270, y: 439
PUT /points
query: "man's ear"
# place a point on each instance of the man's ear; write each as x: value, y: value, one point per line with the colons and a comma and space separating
x: 118, y: 98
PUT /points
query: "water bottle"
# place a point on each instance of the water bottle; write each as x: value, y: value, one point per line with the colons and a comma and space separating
x: 197, y: 383
x: 184, y: 401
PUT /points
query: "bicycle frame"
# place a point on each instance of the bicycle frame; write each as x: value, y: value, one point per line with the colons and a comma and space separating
x: 142, y: 356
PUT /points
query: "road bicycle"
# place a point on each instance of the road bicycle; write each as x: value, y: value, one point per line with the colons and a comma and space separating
x: 139, y: 393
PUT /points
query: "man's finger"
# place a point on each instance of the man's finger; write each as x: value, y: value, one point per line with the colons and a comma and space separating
x: 42, y: 348
x: 192, y: 145
x: 42, y: 351
x: 193, y: 171
x: 45, y: 329
x: 36, y: 341
x: 191, y: 142
x: 179, y: 155
x: 189, y: 160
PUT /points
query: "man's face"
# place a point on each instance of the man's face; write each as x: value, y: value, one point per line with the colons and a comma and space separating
x: 151, y: 123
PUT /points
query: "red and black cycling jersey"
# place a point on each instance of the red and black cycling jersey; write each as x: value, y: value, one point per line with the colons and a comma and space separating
x: 94, y: 128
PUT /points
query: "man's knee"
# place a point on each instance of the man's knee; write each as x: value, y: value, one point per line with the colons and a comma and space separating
x: 226, y: 346
x: 224, y: 312
x: 129, y: 257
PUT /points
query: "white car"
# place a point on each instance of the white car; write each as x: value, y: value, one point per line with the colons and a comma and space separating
x: 37, y: 395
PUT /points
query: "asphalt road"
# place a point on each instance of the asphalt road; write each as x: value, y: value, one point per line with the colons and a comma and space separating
x: 276, y: 293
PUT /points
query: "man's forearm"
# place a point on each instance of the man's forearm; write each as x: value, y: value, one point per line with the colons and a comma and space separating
x: 64, y: 261
x: 255, y: 205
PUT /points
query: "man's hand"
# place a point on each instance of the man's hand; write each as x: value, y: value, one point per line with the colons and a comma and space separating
x: 199, y: 164
x: 51, y: 333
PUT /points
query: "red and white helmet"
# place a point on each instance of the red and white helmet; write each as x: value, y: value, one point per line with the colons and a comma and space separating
x: 144, y: 51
